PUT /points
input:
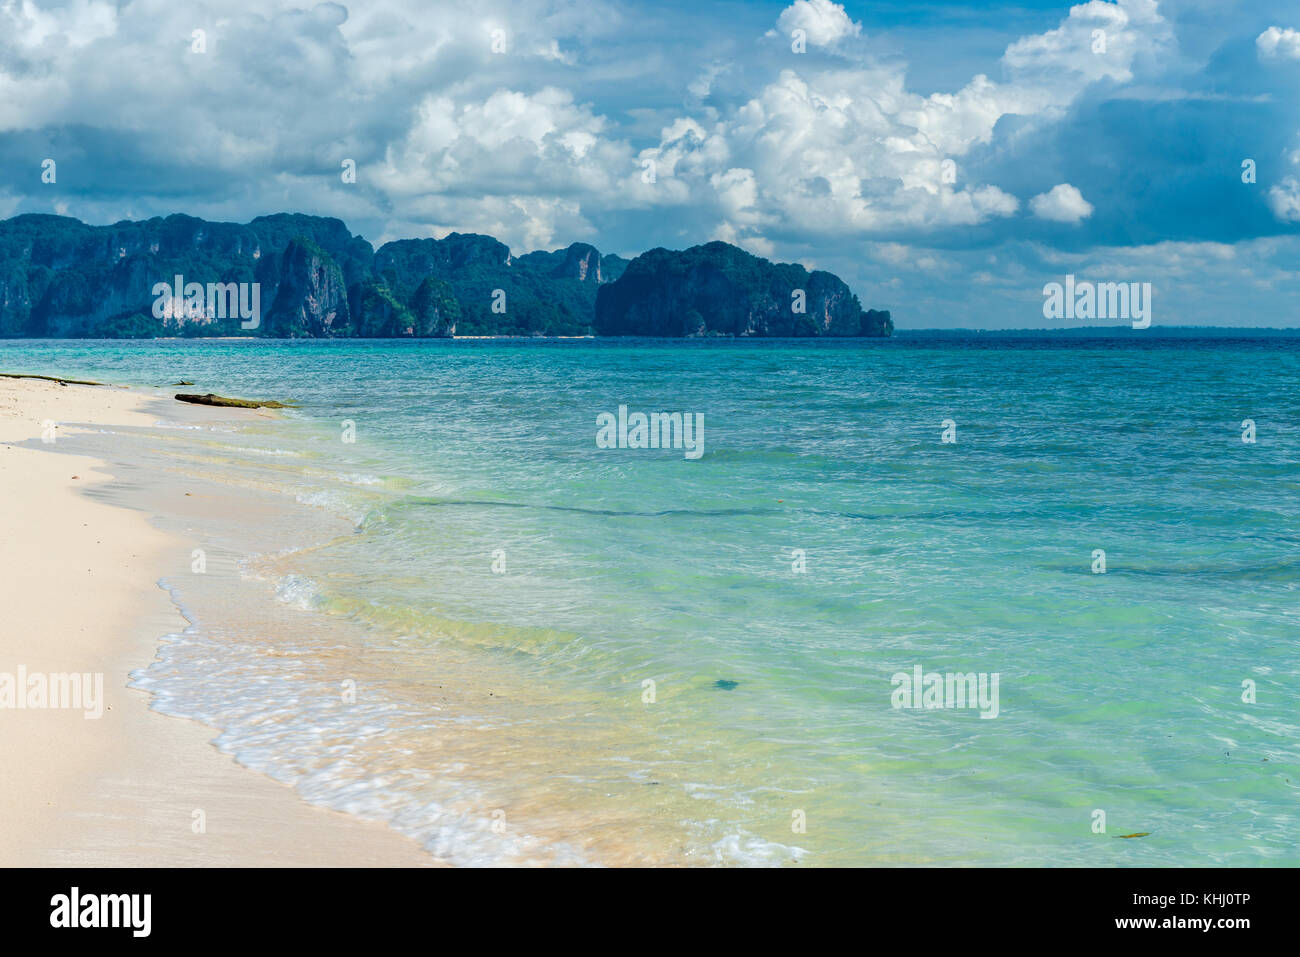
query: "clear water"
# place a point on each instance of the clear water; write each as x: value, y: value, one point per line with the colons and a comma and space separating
x: 504, y: 718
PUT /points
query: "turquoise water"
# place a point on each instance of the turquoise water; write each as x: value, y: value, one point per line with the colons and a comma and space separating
x: 1119, y: 692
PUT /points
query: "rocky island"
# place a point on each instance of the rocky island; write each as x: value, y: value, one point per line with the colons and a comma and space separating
x: 62, y: 278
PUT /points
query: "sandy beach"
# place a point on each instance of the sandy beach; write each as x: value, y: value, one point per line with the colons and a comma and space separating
x: 78, y: 586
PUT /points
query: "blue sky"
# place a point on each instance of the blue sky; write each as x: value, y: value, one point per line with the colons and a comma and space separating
x: 947, y: 160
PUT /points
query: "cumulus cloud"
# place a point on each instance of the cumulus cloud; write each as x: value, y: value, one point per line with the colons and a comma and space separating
x: 516, y: 164
x: 1284, y: 200
x: 1063, y: 203
x: 260, y: 120
x: 32, y: 29
x: 1097, y: 41
x: 824, y: 23
x: 1278, y: 42
x: 848, y: 149
x: 775, y: 151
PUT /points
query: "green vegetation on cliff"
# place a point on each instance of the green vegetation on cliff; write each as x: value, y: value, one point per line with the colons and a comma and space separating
x: 62, y: 278
x: 719, y: 289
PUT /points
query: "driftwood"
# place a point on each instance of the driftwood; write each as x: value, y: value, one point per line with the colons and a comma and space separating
x: 49, y: 378
x: 225, y: 403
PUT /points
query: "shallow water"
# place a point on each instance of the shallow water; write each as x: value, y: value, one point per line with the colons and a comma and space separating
x: 502, y: 716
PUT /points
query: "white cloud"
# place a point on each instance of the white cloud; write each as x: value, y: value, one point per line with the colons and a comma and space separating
x: 832, y: 150
x: 448, y: 135
x: 515, y: 164
x: 1098, y: 40
x: 1278, y: 42
x: 1063, y: 203
x: 29, y: 28
x: 737, y: 194
x: 824, y: 23
x: 1284, y: 200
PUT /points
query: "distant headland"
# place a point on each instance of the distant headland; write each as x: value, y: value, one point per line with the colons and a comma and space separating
x: 292, y: 275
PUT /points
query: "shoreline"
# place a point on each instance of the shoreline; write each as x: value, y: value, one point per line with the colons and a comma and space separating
x: 357, y: 574
x: 80, y: 588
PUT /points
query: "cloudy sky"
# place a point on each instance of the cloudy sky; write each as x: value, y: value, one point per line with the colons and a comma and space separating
x: 945, y: 159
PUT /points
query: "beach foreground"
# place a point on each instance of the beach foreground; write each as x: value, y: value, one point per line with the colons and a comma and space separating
x: 427, y: 597
x: 78, y: 586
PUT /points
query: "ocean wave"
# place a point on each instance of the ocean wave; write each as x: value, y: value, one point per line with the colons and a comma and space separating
x: 743, y: 849
x: 193, y: 427
x: 332, y: 501
x: 299, y: 592
x: 359, y: 479
x: 281, y: 715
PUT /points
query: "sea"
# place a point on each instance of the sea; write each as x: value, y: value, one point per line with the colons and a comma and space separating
x: 433, y: 594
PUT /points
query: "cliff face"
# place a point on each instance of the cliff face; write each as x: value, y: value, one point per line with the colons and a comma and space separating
x: 311, y: 296
x: 718, y: 289
x: 435, y: 309
x: 540, y: 293
x: 377, y: 313
x: 877, y: 322
x: 61, y: 277
x: 580, y: 262
x: 408, y: 261
x: 78, y: 302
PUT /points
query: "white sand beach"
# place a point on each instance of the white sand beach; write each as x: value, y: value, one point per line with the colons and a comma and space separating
x: 78, y: 587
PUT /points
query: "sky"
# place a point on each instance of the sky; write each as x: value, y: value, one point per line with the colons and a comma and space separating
x: 946, y: 160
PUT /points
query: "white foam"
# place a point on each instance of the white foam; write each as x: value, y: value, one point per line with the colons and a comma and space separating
x: 749, y: 850
x: 298, y: 592
x: 275, y: 712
